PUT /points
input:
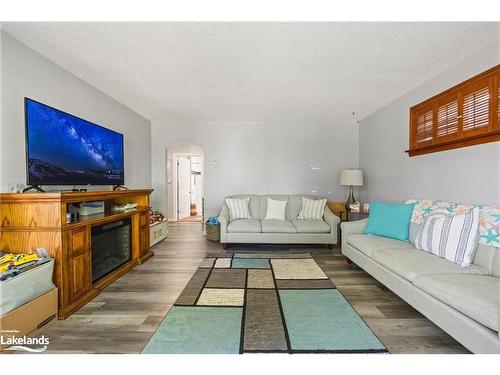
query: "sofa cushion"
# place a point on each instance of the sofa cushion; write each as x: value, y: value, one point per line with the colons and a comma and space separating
x: 367, y: 244
x: 389, y: 220
x: 277, y: 226
x: 489, y: 257
x: 244, y: 226
x: 277, y: 197
x: 453, y: 237
x: 296, y: 204
x: 238, y: 208
x: 410, y: 263
x: 488, y: 221
x: 253, y: 205
x: 473, y: 295
x: 311, y: 226
x: 312, y: 209
x: 413, y: 231
x: 276, y: 209
x: 495, y: 267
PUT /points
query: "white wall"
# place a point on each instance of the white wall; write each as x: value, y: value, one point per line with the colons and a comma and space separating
x: 470, y: 174
x: 26, y: 73
x: 259, y: 157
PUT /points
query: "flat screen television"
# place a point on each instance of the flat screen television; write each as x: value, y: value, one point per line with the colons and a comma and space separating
x: 62, y: 149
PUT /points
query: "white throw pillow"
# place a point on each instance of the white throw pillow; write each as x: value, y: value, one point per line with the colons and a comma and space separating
x: 238, y: 208
x: 312, y: 209
x: 275, y: 209
x: 453, y: 237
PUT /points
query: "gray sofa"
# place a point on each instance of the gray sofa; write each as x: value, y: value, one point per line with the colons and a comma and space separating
x: 463, y: 301
x: 289, y: 231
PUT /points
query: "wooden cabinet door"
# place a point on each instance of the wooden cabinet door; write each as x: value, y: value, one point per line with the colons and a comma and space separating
x: 143, y: 233
x: 79, y: 263
x: 144, y: 241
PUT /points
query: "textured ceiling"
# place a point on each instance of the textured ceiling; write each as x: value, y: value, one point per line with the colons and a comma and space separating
x: 254, y: 71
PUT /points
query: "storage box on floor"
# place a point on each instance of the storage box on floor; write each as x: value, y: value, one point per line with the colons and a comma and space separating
x: 157, y: 232
x: 28, y: 302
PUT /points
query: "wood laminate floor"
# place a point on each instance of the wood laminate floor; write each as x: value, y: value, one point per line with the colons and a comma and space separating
x: 196, y: 218
x: 126, y: 314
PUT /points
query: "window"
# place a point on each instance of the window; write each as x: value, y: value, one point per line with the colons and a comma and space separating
x: 465, y: 115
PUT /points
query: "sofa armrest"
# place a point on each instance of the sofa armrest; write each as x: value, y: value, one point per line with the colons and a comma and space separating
x: 333, y: 221
x: 223, y: 219
x: 352, y: 227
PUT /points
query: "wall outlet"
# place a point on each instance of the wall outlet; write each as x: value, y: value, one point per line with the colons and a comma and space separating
x: 214, y: 161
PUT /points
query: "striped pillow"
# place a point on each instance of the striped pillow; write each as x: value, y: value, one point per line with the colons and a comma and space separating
x: 238, y: 208
x: 312, y: 209
x: 453, y: 237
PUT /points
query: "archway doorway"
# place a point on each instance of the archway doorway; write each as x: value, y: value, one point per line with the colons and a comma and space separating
x: 185, y: 183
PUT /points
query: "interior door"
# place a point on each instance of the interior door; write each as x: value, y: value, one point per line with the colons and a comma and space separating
x: 183, y: 187
x: 196, y: 178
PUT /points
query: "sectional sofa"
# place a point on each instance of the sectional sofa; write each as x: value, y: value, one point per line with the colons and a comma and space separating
x: 463, y: 301
x: 289, y: 231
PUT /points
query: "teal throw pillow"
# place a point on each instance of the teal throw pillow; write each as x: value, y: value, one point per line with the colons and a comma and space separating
x: 389, y: 220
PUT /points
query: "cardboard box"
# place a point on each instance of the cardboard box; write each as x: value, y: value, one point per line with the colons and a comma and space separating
x: 32, y: 318
x: 25, y: 287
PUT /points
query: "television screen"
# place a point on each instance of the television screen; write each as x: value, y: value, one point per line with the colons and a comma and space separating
x: 66, y: 150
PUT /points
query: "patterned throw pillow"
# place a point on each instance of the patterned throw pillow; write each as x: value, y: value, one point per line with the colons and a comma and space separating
x: 238, y: 208
x: 453, y: 237
x: 312, y: 209
x: 489, y: 216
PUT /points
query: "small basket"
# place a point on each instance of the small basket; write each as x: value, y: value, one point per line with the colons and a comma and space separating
x: 213, y: 232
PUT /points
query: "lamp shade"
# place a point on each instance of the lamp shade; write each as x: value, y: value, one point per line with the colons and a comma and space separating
x: 351, y: 177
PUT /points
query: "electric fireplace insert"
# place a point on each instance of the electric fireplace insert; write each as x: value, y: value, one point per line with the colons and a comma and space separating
x: 111, y: 247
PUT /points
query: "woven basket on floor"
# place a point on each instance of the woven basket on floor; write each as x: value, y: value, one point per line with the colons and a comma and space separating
x: 213, y: 232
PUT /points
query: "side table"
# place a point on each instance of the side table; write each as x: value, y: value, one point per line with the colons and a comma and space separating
x: 338, y: 208
x: 352, y: 216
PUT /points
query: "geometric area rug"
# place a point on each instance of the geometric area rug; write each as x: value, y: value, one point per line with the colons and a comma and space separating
x: 262, y: 303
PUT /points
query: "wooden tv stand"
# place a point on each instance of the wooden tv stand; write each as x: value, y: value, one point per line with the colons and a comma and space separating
x: 34, y: 220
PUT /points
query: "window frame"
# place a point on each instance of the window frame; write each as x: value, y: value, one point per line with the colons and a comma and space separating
x: 461, y: 138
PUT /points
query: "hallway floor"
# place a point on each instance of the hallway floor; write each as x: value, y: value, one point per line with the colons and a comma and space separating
x: 196, y: 218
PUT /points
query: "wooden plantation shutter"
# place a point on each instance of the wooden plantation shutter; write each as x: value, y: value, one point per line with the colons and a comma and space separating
x: 424, y: 127
x: 497, y: 84
x: 476, y: 108
x: 447, y: 118
x: 464, y: 115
